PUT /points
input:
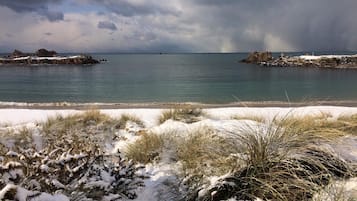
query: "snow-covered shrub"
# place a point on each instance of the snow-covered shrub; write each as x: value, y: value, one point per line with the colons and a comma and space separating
x: 69, y: 157
x: 89, y: 175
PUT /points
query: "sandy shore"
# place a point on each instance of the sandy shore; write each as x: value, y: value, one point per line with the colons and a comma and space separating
x: 167, y: 105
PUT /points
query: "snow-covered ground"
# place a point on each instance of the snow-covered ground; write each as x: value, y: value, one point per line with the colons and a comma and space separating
x: 43, y: 58
x: 218, y: 118
x: 313, y: 57
x: 150, y: 116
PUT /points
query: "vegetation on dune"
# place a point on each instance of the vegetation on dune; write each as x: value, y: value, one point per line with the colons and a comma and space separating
x: 145, y: 149
x: 185, y: 114
x: 126, y: 117
x: 283, y: 159
x: 68, y: 155
x: 321, y: 125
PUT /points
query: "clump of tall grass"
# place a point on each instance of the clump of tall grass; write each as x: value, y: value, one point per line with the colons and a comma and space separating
x: 79, y: 131
x: 87, y: 118
x: 147, y: 148
x: 201, y: 153
x: 185, y: 114
x: 124, y: 118
x: 280, y: 162
x: 13, y: 138
x: 321, y: 125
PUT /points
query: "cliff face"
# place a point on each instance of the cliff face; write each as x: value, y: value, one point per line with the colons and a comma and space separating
x: 43, y: 56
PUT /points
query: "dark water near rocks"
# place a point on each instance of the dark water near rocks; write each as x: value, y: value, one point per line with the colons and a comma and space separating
x: 208, y: 78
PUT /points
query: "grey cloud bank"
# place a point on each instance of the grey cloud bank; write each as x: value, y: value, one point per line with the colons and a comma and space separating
x: 37, y: 6
x: 184, y: 25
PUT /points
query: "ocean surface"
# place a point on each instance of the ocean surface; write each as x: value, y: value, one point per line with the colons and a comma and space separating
x: 207, y: 78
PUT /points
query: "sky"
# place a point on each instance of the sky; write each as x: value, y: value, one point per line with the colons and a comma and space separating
x: 178, y: 25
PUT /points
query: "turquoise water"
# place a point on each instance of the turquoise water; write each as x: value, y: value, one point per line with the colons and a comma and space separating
x: 208, y: 78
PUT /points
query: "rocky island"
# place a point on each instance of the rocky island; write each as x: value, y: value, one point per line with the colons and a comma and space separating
x: 46, y: 57
x: 321, y: 61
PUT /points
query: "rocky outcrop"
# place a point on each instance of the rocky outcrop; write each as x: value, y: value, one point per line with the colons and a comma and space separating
x: 45, y: 53
x: 45, y: 57
x: 323, y: 61
x: 17, y: 53
x: 256, y: 57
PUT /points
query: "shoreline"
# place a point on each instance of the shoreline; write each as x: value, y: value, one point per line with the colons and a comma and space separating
x: 170, y: 105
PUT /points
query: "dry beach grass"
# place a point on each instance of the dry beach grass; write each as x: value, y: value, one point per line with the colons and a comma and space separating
x: 287, y: 158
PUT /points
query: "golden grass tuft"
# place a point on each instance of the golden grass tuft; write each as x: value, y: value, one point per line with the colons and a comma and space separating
x: 279, y: 163
x: 204, y: 153
x: 87, y: 118
x: 93, y: 116
x: 185, y: 114
x: 127, y: 117
x: 321, y: 125
x: 147, y: 148
x: 81, y: 131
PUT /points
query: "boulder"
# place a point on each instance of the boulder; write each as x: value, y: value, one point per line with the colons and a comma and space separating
x: 45, y: 53
x: 258, y: 57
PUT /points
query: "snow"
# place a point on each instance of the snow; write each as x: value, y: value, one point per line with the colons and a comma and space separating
x: 338, y: 190
x: 42, y: 58
x: 162, y: 176
x: 312, y: 57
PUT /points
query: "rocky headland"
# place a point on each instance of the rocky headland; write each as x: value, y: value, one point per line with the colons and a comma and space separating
x: 45, y: 57
x: 321, y: 61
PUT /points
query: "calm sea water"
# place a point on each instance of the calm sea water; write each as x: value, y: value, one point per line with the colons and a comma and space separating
x: 208, y: 78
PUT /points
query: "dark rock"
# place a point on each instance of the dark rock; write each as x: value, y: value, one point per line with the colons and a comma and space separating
x: 257, y: 57
x: 17, y: 53
x: 45, y: 53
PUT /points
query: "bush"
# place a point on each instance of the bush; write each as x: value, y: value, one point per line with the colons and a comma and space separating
x: 87, y: 175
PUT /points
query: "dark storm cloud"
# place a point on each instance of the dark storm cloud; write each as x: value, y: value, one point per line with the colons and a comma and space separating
x: 107, y: 25
x: 37, y: 6
x: 303, y: 24
x: 201, y: 25
x: 128, y: 8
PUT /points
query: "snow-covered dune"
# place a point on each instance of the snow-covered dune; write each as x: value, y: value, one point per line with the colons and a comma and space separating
x: 163, y: 175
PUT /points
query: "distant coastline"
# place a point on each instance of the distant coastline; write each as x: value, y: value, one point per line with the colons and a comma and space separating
x: 318, y: 61
x: 46, y: 57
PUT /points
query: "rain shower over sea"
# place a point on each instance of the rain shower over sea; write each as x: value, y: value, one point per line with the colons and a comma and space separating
x: 146, y: 78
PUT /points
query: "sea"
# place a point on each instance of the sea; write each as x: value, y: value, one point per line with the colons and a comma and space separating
x: 203, y: 78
